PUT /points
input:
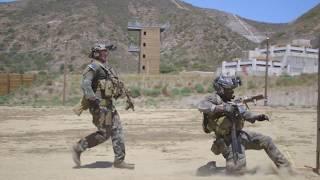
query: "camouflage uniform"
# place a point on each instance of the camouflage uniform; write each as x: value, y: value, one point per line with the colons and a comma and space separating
x: 217, y: 122
x: 96, y: 84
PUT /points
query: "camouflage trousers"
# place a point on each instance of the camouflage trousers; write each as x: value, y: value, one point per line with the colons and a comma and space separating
x: 104, y: 132
x: 248, y: 140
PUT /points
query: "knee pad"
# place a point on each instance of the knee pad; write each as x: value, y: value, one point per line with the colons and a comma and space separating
x: 83, y: 144
x: 232, y: 166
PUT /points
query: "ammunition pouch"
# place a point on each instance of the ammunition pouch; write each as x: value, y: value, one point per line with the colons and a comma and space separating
x: 103, y: 118
x: 110, y: 89
x: 219, y: 146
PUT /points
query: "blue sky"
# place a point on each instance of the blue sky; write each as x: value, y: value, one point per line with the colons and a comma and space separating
x: 275, y: 11
x: 5, y: 0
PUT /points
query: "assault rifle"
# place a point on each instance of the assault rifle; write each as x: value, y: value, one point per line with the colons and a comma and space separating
x: 120, y: 86
x: 239, y: 108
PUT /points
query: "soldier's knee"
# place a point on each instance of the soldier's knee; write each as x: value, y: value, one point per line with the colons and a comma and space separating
x: 83, y: 144
x: 267, y: 141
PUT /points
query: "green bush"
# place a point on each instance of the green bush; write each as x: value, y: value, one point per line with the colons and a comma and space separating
x: 286, y: 80
x: 4, y: 100
x: 135, y: 91
x: 175, y: 92
x: 152, y: 92
x: 151, y: 102
x: 167, y: 68
x: 21, y: 62
x: 185, y: 91
x: 199, y: 88
x: 210, y: 89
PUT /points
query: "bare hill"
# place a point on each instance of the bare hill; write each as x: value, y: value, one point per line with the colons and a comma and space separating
x: 34, y: 32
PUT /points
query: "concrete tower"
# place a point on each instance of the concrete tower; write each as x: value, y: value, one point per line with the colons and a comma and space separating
x: 149, y: 50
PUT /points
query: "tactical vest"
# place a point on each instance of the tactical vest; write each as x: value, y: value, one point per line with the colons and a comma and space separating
x: 102, y: 86
x: 218, y: 122
x: 221, y: 126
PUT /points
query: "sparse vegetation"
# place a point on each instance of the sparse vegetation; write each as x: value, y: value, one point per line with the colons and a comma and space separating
x: 22, y: 62
x: 199, y: 88
x: 48, y: 87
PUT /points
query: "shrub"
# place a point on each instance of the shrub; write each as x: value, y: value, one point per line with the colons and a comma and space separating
x: 167, y: 68
x: 199, y: 88
x: 285, y: 80
x: 185, y: 91
x: 4, y: 99
x: 135, y: 91
x: 152, y: 92
x: 210, y: 89
x: 175, y: 92
x: 151, y: 102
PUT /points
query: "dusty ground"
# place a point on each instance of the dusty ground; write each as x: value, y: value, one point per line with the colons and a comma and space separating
x: 164, y: 144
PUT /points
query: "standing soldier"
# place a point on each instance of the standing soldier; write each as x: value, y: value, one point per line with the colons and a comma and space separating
x: 216, y: 111
x: 100, y: 86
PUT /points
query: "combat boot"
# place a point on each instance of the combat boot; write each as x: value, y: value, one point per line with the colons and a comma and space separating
x: 76, y: 153
x: 123, y: 165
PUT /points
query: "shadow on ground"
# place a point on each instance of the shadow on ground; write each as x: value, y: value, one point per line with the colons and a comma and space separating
x: 98, y: 164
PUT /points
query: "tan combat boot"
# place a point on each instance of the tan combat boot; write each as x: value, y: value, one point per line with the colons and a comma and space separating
x: 76, y: 153
x: 123, y: 165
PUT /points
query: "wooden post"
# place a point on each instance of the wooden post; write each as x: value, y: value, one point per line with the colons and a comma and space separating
x: 266, y: 76
x: 8, y: 83
x: 65, y: 74
x: 21, y: 80
x: 317, y: 170
x: 139, y: 60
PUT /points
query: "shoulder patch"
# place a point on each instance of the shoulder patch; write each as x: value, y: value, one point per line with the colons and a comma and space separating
x: 93, y: 66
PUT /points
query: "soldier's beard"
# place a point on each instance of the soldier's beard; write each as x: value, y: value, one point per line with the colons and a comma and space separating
x: 227, y: 97
x: 103, y: 60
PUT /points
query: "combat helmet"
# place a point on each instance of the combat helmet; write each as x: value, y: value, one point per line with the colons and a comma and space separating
x: 226, y: 82
x: 100, y: 47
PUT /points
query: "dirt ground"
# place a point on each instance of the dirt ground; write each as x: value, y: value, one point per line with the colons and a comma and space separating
x: 163, y: 143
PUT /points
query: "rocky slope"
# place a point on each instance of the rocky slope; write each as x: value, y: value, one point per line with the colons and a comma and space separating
x: 35, y: 31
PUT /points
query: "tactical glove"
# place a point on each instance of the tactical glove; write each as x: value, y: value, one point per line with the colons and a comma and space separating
x: 262, y: 117
x: 95, y: 104
x: 129, y: 105
x: 206, y: 130
x: 204, y: 125
x: 228, y: 109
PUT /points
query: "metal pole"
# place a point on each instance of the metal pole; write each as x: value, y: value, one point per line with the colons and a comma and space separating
x: 266, y: 76
x: 317, y: 170
x: 65, y: 74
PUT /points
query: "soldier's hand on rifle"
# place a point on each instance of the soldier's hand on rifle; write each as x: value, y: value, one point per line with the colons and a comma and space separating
x: 262, y: 117
x: 94, y: 103
x: 129, y: 105
x: 228, y: 108
x: 204, y: 125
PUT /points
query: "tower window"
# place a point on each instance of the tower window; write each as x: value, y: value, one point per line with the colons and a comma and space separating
x: 143, y: 67
x: 144, y: 33
x: 144, y: 44
x: 143, y: 56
